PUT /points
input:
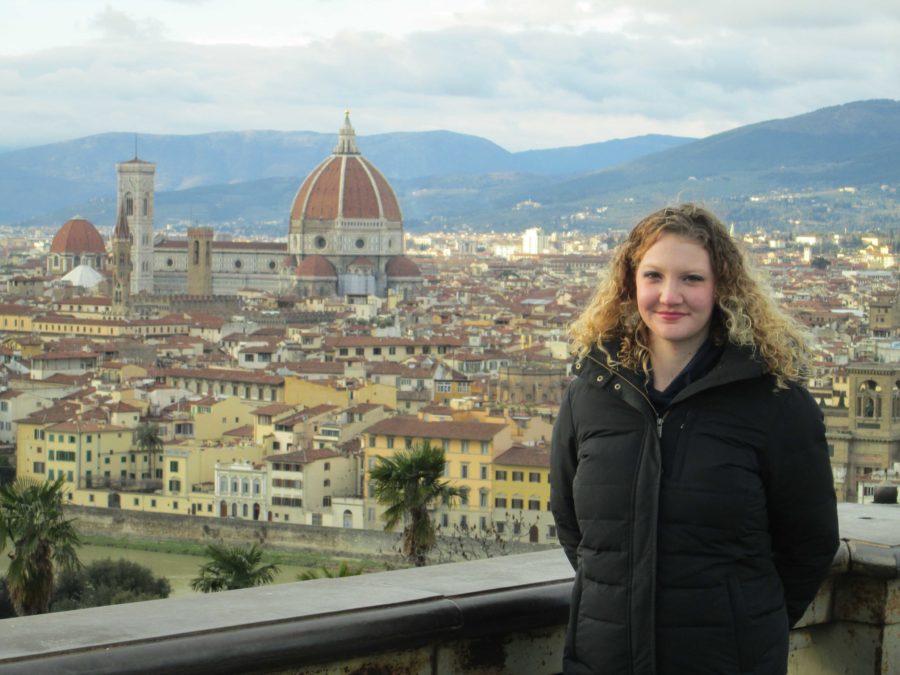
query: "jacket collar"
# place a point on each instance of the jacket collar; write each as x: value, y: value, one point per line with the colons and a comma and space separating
x: 736, y: 364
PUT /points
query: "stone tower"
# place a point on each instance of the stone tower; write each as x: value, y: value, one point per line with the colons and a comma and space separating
x: 865, y: 437
x: 199, y: 271
x: 135, y: 197
x: 121, y: 244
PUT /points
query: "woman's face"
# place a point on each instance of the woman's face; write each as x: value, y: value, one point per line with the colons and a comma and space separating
x: 676, y: 292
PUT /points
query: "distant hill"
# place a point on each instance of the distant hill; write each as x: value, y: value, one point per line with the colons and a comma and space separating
x: 246, y: 180
x: 53, y: 182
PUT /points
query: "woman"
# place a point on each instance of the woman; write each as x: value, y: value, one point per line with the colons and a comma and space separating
x: 691, y: 485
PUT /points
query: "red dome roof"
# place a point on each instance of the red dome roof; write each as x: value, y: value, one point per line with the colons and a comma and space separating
x: 316, y: 267
x: 401, y: 266
x: 346, y: 185
x: 78, y: 236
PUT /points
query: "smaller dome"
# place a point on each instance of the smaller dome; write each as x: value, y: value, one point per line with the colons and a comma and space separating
x: 316, y: 267
x: 78, y: 236
x: 402, y: 267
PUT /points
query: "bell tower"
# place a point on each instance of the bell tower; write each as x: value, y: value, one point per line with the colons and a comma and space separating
x: 121, y: 265
x: 135, y: 191
x: 199, y: 271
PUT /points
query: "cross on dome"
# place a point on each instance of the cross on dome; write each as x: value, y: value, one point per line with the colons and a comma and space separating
x: 346, y: 144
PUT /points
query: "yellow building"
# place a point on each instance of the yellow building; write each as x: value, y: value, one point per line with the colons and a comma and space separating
x: 521, y: 490
x: 50, y: 444
x: 469, y: 450
x: 213, y: 417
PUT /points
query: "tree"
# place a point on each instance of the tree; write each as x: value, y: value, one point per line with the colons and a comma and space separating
x: 407, y: 484
x: 149, y: 439
x: 233, y: 567
x: 32, y: 522
x: 107, y: 582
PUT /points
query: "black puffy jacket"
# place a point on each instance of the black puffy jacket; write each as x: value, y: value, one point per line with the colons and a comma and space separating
x: 699, y: 535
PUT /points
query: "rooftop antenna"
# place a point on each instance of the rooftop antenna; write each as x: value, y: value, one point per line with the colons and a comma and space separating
x: 135, y: 146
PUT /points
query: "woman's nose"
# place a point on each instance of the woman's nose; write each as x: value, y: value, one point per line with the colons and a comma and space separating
x: 670, y: 293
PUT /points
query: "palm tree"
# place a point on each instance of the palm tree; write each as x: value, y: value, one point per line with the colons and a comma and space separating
x: 343, y: 570
x: 407, y: 484
x: 233, y: 567
x: 149, y: 439
x: 32, y: 522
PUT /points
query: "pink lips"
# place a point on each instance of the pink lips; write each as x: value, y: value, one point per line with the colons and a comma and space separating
x: 670, y: 316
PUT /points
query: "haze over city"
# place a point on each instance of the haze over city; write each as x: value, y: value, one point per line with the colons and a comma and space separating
x: 523, y: 74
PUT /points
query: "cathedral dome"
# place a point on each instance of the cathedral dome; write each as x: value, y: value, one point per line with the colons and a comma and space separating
x: 346, y: 186
x: 78, y: 236
x: 401, y: 267
x: 316, y: 267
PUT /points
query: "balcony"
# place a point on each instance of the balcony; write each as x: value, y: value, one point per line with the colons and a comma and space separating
x: 501, y: 615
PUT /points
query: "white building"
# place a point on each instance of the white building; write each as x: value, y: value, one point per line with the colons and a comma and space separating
x: 534, y: 241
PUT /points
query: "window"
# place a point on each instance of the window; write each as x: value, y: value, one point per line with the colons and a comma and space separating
x: 463, y: 521
x: 464, y: 446
x: 483, y: 498
x: 534, y: 504
x: 483, y: 475
x: 390, y: 441
x: 408, y: 443
x: 464, y: 470
x: 444, y: 387
x: 500, y: 474
x: 517, y: 502
x: 551, y: 531
x: 326, y: 501
x: 173, y: 466
x: 534, y: 477
x: 500, y: 502
x: 326, y: 482
x: 485, y: 448
x: 38, y: 467
x: 445, y: 520
x: 518, y: 476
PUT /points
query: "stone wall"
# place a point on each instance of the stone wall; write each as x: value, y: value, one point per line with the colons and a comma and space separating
x: 282, y: 536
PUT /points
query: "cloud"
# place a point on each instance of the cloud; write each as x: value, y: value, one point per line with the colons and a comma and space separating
x: 114, y: 25
x: 525, y: 74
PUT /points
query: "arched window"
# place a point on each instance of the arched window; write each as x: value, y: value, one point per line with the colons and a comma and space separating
x: 129, y: 204
x: 348, y: 518
x: 245, y: 487
x: 145, y: 208
x: 868, y: 400
x: 234, y: 486
x: 234, y: 509
x: 256, y: 486
x: 223, y: 485
x: 196, y: 252
x: 245, y: 511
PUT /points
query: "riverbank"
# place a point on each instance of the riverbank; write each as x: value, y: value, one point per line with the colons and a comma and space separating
x: 306, y: 559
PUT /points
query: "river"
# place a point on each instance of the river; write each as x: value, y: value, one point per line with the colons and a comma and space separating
x: 178, y: 568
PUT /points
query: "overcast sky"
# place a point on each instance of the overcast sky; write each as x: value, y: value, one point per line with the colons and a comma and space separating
x: 524, y: 73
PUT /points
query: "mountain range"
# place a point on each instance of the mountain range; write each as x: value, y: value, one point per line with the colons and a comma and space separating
x: 248, y: 179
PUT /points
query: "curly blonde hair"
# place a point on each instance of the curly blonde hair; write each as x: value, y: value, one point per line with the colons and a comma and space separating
x: 744, y: 315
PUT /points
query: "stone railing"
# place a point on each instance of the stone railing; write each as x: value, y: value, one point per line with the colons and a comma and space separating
x: 501, y: 615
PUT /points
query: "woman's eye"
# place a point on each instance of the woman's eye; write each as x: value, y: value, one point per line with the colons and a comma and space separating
x: 694, y: 278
